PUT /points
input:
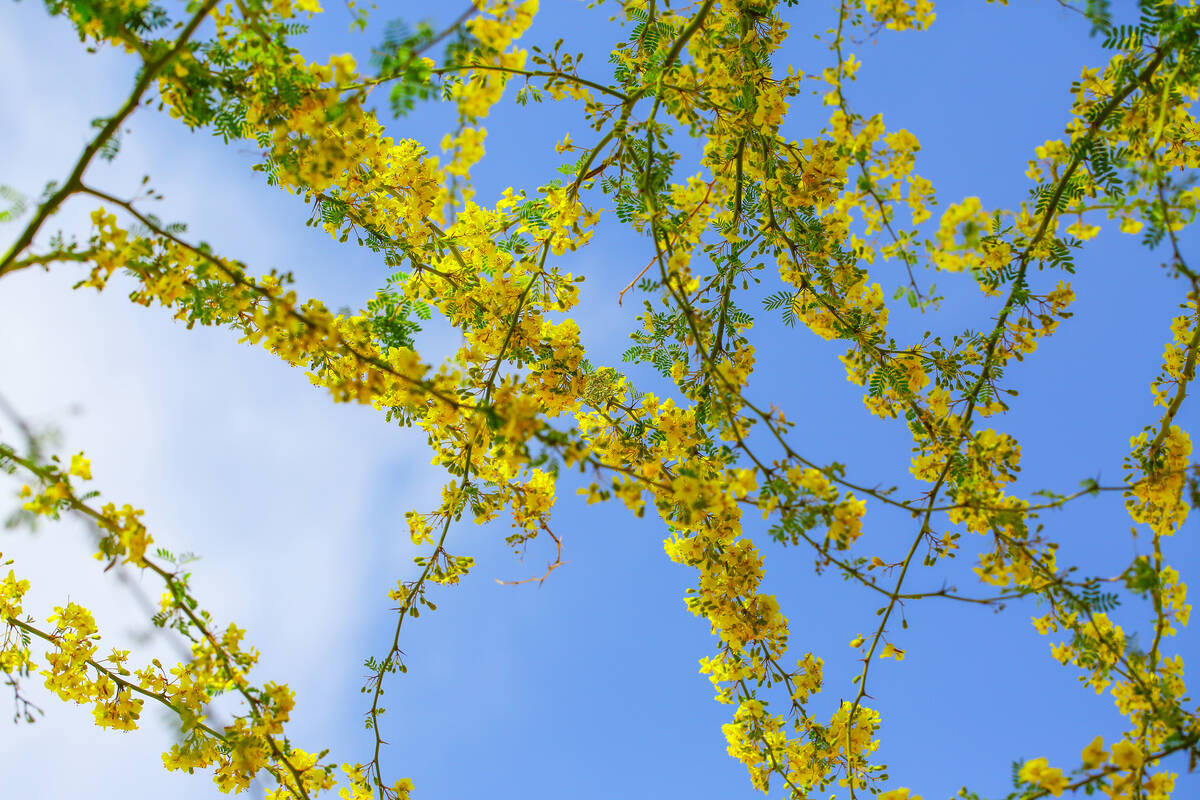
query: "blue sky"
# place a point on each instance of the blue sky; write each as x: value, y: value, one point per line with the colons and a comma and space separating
x: 588, y: 685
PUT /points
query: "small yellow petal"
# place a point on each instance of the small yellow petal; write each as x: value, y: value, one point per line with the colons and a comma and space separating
x: 1093, y: 754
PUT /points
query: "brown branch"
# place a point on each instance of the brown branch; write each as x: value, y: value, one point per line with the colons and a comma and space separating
x: 550, y: 567
x: 73, y: 183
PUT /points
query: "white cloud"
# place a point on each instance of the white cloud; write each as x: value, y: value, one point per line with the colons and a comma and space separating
x: 233, y: 454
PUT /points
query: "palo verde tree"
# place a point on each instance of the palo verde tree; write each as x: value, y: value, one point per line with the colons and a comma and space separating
x: 824, y: 223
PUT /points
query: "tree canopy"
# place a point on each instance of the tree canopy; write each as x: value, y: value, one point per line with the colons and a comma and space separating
x: 764, y: 203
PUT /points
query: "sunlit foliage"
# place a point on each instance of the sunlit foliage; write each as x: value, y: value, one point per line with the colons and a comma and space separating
x: 813, y: 220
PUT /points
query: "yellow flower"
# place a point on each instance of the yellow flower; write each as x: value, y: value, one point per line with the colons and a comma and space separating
x: 1130, y: 225
x: 1083, y: 231
x: 1160, y: 785
x: 1053, y: 781
x: 857, y: 641
x: 891, y: 651
x: 344, y: 67
x: 742, y: 482
x: 898, y: 794
x: 1032, y: 771
x: 1093, y: 754
x: 11, y: 591
x: 1125, y: 755
x: 81, y: 467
